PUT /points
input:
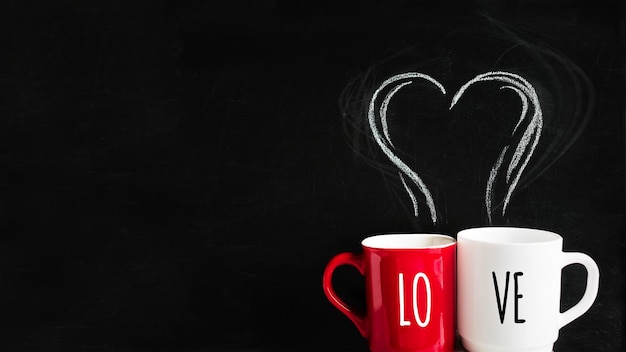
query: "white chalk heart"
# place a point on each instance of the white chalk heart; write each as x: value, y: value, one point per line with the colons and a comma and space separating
x: 377, y: 116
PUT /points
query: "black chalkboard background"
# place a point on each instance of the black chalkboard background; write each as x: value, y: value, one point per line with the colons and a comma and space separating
x: 175, y: 175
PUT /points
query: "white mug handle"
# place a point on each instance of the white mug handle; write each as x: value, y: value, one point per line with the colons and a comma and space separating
x: 591, y: 290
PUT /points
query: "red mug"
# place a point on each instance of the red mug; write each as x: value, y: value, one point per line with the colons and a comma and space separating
x: 410, y: 287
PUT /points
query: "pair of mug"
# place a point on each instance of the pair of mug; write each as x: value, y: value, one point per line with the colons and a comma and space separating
x: 499, y: 286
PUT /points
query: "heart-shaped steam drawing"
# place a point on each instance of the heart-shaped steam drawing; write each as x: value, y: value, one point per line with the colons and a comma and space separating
x: 523, y: 152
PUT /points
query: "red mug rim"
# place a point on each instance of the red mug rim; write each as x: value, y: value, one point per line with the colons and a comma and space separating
x: 406, y: 241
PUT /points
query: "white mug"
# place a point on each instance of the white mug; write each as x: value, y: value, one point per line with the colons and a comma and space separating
x: 509, y: 288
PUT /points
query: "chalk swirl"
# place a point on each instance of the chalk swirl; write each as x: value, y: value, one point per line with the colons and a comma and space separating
x: 523, y: 151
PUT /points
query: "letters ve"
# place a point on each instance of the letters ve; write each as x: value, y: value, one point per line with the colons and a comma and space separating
x: 502, y: 303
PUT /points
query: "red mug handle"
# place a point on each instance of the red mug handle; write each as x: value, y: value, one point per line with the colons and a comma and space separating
x: 355, y: 260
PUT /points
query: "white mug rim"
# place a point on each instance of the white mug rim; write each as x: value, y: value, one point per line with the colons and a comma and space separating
x: 404, y: 241
x: 508, y: 235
